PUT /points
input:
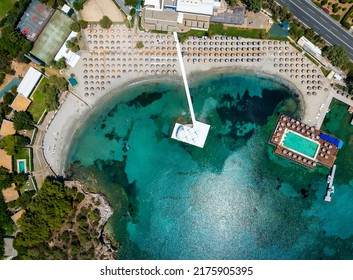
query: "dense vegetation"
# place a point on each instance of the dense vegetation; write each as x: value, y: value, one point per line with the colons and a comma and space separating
x: 46, y: 214
x: 56, y: 225
x: 5, y: 108
x: 13, y: 45
x: 72, y: 45
x: 51, y: 89
x: 78, y: 4
x: 253, y: 5
x: 6, y: 224
x: 6, y: 178
x: 337, y: 55
x: 22, y: 120
x: 53, y: 2
x: 12, y: 143
x: 132, y: 3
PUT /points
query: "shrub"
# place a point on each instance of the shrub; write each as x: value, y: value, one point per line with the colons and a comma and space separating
x: 105, y: 22
x: 75, y: 26
x: 336, y: 17
x: 346, y: 25
x: 83, y: 23
x: 139, y: 44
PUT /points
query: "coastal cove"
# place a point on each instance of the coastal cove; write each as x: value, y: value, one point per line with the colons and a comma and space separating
x: 234, y: 199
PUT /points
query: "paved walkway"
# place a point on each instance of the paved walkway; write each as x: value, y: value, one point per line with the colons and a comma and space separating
x: 41, y: 168
x: 186, y: 85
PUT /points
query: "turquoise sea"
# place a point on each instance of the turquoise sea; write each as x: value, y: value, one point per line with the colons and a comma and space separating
x: 234, y: 199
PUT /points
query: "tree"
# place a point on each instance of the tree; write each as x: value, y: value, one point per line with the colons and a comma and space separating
x: 12, y: 143
x: 5, y: 178
x: 105, y: 22
x: 2, y: 77
x: 8, y: 98
x: 46, y: 214
x: 20, y: 180
x: 254, y: 5
x: 75, y: 26
x: 22, y: 120
x: 139, y: 44
x: 83, y: 23
x: 60, y: 64
x: 337, y: 55
x: 51, y: 90
x: 72, y: 46
x: 78, y: 5
x: 132, y: 3
x: 59, y: 83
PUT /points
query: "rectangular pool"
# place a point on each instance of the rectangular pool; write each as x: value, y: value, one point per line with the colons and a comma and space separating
x: 300, y: 144
x: 21, y: 166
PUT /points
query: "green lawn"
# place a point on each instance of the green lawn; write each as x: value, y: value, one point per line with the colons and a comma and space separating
x: 219, y: 29
x: 325, y: 71
x: 5, y: 6
x: 296, y: 46
x: 22, y: 154
x: 37, y: 106
x: 313, y: 60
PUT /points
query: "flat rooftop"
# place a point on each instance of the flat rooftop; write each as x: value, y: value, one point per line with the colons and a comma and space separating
x: 233, y: 15
x: 195, y: 135
x: 52, y: 37
x: 29, y: 82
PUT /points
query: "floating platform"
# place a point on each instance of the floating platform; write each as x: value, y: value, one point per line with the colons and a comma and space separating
x: 303, y: 144
x: 191, y: 134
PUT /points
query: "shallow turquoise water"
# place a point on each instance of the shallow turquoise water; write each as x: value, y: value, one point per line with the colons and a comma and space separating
x: 234, y: 199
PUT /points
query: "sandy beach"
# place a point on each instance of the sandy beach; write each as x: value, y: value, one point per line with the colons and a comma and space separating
x: 113, y: 62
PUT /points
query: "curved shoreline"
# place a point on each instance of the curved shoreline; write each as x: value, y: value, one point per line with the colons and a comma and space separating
x: 194, y: 78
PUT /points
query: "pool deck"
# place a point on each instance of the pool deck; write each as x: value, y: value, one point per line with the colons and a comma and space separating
x: 325, y: 155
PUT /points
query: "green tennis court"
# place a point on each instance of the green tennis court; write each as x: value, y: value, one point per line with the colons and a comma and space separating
x: 52, y: 37
x: 300, y: 144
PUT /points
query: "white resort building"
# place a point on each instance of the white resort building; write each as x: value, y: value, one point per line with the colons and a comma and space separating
x: 179, y: 15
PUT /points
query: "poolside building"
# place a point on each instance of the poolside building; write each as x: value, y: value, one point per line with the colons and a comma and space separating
x: 7, y: 128
x: 5, y: 160
x: 51, y: 39
x: 29, y: 82
x: 20, y: 103
x: 71, y: 58
x: 178, y: 15
x: 34, y: 20
x: 303, y: 144
x: 10, y: 194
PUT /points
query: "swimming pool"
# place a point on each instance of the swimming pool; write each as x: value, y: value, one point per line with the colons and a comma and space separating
x: 300, y: 144
x: 21, y: 166
x: 73, y: 81
x: 14, y: 82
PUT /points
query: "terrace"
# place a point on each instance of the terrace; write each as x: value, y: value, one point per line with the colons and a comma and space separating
x: 303, y: 144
